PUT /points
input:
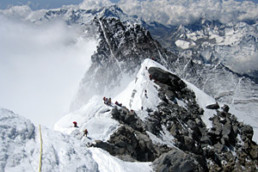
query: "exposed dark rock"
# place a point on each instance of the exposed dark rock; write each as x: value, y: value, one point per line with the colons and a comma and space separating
x: 191, y: 134
x: 247, y: 132
x: 125, y: 116
x: 213, y: 106
x: 167, y: 78
x: 194, y: 140
x: 122, y: 48
x: 177, y: 160
x: 225, y: 108
x: 129, y: 144
x: 218, y: 149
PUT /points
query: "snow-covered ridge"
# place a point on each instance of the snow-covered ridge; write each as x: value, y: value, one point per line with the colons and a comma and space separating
x: 20, y: 150
x: 69, y: 152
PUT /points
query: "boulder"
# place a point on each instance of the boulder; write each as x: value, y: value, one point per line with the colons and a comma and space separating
x: 128, y: 117
x: 247, y: 132
x: 167, y: 78
x: 177, y: 160
x: 225, y: 108
x: 131, y: 144
x: 213, y: 106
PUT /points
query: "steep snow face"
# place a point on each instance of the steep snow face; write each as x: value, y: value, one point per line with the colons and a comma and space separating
x: 20, y: 150
x: 95, y: 116
x: 141, y: 93
x: 134, y: 97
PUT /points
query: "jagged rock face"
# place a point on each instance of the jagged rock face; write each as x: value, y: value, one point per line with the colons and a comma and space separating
x: 221, y: 83
x: 122, y: 48
x: 185, y: 124
x: 203, y: 62
x: 177, y: 160
x: 131, y: 142
x: 123, y: 115
x: 192, y: 135
x: 227, y: 146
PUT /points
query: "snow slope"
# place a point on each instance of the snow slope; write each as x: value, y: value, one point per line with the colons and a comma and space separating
x: 95, y: 116
x: 20, y: 150
x: 133, y: 97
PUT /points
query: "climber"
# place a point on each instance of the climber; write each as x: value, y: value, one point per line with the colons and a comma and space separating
x: 75, y: 124
x: 131, y: 112
x: 85, y: 132
x: 109, y: 101
x: 105, y: 100
x: 146, y: 94
x: 150, y: 77
x: 118, y: 104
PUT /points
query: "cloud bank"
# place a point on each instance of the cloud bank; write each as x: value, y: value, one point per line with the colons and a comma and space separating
x: 41, y: 67
x: 184, y: 11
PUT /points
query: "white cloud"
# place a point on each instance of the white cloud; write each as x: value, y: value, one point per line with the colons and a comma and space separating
x: 187, y: 11
x: 41, y: 67
x: 91, y: 4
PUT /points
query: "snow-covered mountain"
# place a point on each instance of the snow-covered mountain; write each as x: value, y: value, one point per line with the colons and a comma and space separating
x: 162, y: 119
x: 218, y: 58
x: 166, y: 121
x: 213, y: 42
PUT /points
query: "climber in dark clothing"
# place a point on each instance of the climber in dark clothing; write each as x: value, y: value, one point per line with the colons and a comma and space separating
x: 109, y: 101
x: 85, y: 132
x: 118, y: 104
x: 105, y: 100
x: 146, y: 93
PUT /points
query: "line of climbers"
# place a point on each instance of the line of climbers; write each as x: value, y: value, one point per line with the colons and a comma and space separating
x: 85, y: 132
x: 108, y: 101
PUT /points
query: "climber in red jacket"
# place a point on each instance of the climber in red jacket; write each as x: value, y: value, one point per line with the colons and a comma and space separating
x: 75, y: 124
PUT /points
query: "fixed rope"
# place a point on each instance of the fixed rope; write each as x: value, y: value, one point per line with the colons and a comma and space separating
x: 40, y: 155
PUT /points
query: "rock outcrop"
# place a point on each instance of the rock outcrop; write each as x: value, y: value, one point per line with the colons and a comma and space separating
x: 227, y: 146
x: 122, y: 48
x: 177, y: 160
